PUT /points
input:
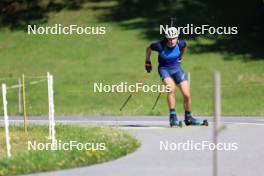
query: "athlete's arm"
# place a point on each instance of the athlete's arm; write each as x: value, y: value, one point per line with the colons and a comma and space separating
x: 182, y: 44
x: 148, y: 53
x: 182, y: 52
x: 153, y: 47
x: 148, y: 65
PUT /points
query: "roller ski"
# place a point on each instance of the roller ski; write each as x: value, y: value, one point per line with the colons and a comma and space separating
x: 190, y: 121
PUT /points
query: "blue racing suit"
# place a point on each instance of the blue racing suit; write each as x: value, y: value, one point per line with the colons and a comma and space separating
x: 169, y: 60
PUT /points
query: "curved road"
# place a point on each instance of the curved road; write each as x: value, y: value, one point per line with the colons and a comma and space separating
x: 153, y: 160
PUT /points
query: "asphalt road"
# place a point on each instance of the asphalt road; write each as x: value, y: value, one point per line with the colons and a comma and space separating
x: 154, y: 159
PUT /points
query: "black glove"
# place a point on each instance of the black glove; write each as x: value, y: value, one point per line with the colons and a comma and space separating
x: 148, y: 66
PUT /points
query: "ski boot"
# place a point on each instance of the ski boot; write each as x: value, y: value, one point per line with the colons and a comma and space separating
x: 192, y: 121
x: 174, y: 122
x: 189, y: 120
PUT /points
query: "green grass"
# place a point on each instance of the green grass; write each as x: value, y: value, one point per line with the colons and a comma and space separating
x: 24, y: 161
x: 78, y: 61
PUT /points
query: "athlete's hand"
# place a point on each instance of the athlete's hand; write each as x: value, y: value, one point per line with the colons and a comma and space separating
x: 148, y: 66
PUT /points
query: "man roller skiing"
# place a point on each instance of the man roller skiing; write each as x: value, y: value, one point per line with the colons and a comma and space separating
x: 170, y: 57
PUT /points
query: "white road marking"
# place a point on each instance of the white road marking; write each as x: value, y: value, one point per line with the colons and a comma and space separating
x: 121, y: 122
x: 244, y: 123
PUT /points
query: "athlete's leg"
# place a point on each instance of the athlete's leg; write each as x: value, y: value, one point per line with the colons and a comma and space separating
x: 171, y: 94
x: 181, y: 80
x: 185, y: 90
x: 169, y: 82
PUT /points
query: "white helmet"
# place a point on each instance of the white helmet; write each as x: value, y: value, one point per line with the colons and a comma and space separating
x: 172, y: 32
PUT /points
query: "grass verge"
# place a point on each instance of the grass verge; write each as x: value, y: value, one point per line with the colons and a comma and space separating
x: 23, y: 161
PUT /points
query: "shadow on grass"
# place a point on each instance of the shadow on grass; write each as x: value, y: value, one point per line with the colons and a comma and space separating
x: 17, y: 14
x: 148, y: 15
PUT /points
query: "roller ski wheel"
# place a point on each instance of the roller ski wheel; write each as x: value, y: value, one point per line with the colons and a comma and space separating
x: 205, y: 123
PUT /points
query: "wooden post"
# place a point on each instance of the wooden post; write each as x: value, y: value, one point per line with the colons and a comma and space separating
x: 217, y: 116
x: 24, y: 102
x: 19, y: 96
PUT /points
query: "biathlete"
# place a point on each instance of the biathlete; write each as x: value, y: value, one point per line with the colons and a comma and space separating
x: 170, y: 56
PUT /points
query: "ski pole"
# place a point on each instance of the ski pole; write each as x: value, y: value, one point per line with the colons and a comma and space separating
x: 142, y: 78
x: 124, y: 104
x: 172, y: 19
x: 157, y: 99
